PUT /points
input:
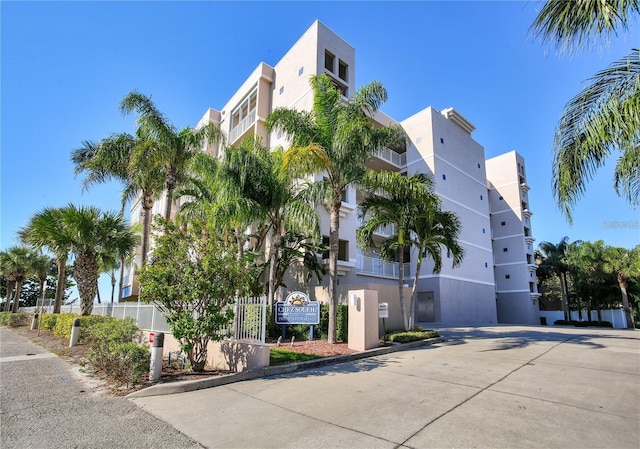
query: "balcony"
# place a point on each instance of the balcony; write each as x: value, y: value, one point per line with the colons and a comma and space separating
x: 383, y: 231
x: 529, y: 240
x: 527, y: 213
x: 243, y: 126
x: 375, y: 266
x: 345, y: 209
x: 524, y: 187
x: 386, y: 158
x: 532, y: 267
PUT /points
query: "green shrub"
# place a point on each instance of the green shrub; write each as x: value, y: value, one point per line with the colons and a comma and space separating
x: 342, y: 322
x: 48, y: 321
x: 406, y: 337
x: 113, y: 349
x: 15, y: 319
x: 63, y: 325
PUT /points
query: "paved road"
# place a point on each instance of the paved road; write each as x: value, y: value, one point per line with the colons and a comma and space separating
x: 44, y: 403
x: 494, y: 387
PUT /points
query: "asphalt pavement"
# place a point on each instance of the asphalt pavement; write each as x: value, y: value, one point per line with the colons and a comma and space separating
x: 484, y: 387
x: 46, y: 403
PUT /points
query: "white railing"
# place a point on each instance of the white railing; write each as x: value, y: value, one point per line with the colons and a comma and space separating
x: 387, y: 154
x: 377, y: 266
x: 241, y: 127
x: 250, y: 320
x: 386, y: 230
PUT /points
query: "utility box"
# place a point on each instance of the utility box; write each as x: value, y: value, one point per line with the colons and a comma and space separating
x: 363, y: 319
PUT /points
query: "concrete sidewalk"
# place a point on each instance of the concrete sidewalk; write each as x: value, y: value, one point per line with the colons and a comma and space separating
x: 501, y: 386
x: 45, y: 403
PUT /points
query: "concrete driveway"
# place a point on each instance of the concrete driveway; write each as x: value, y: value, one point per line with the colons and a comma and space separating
x: 498, y: 387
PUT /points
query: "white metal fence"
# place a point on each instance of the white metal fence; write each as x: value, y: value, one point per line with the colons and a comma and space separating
x: 249, y: 316
x: 616, y: 316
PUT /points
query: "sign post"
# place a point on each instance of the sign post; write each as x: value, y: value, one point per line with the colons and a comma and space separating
x: 298, y: 309
x: 383, y: 312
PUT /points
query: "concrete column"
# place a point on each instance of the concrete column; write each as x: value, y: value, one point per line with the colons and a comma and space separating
x: 155, y: 363
x: 363, y: 319
x: 75, y: 332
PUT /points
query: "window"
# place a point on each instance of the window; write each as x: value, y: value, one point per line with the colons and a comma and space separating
x: 484, y: 231
x: 501, y: 198
x: 441, y: 140
x: 343, y: 249
x: 503, y: 223
x: 444, y: 177
x: 281, y: 90
x: 329, y: 61
x: 507, y: 276
x: 481, y: 197
x: 486, y: 265
x: 448, y: 254
x: 504, y: 250
x: 343, y: 70
x: 478, y: 164
x: 300, y: 70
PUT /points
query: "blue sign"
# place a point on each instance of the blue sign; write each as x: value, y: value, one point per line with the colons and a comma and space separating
x: 297, y: 309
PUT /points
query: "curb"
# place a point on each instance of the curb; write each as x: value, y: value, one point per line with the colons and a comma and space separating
x: 199, y: 384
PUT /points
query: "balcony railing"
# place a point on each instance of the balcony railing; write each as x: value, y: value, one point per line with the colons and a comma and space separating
x: 385, y: 231
x: 389, y: 155
x: 379, y: 267
x: 241, y: 127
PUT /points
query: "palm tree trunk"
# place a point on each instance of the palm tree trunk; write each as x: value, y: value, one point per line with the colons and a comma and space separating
x: 121, y: 280
x: 113, y: 284
x: 273, y: 255
x: 86, y: 271
x: 414, y: 291
x: 405, y: 319
x: 62, y: 283
x: 625, y: 302
x: 170, y: 183
x: 334, y: 225
x: 10, y: 287
x: 147, y: 206
x: 16, y: 298
x: 565, y: 302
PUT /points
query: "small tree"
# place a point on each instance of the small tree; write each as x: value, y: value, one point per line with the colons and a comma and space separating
x: 194, y: 279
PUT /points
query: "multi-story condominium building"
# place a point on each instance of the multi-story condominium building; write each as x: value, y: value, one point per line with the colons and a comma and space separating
x: 439, y: 143
x: 513, y: 254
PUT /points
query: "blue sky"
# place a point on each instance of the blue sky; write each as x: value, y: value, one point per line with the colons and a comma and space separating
x: 65, y: 66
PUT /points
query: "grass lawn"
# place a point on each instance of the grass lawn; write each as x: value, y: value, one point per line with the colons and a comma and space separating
x: 283, y: 356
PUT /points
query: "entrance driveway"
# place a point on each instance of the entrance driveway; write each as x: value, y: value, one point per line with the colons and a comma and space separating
x: 498, y: 387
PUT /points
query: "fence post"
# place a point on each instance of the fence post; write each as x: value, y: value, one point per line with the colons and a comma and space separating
x: 263, y: 329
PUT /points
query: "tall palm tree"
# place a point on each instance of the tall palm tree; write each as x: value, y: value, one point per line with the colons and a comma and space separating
x: 172, y: 149
x: 17, y: 263
x: 605, y: 115
x: 625, y: 265
x: 554, y: 256
x: 96, y: 235
x: 408, y: 203
x: 335, y: 139
x: 46, y: 230
x: 124, y: 157
x: 7, y: 275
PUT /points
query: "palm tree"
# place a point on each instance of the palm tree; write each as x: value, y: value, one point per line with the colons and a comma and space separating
x: 554, y: 256
x: 409, y: 205
x: 434, y: 231
x: 17, y: 263
x: 7, y: 275
x: 625, y: 265
x: 335, y: 139
x: 125, y: 158
x: 96, y: 235
x: 249, y: 187
x: 172, y: 149
x: 46, y: 230
x: 605, y: 115
x: 42, y: 266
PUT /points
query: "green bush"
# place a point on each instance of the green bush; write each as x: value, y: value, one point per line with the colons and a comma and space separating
x: 48, y: 321
x: 64, y: 322
x: 406, y: 337
x: 342, y: 322
x: 113, y: 349
x: 15, y: 319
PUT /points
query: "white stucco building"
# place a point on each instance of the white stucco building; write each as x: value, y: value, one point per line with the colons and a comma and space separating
x: 439, y: 143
